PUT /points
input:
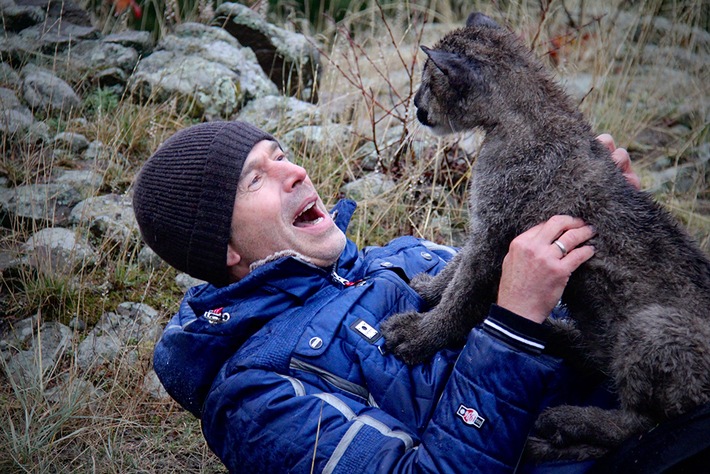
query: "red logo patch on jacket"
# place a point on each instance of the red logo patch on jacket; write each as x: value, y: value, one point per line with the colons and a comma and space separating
x: 470, y: 416
x: 216, y: 316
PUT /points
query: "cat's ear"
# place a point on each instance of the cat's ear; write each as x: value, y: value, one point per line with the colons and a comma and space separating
x: 458, y: 69
x: 479, y: 19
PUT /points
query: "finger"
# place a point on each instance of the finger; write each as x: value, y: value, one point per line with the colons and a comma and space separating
x: 557, y: 225
x: 575, y: 237
x: 623, y: 162
x: 533, y: 232
x: 621, y: 159
x: 561, y: 247
x: 577, y: 257
x: 608, y: 141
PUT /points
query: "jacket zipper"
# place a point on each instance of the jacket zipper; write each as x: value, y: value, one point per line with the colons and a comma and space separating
x: 332, y: 379
x: 343, y: 281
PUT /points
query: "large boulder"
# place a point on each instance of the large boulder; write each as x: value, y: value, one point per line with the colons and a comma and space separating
x: 44, y: 91
x: 290, y: 59
x: 38, y: 204
x: 58, y: 251
x: 205, y: 67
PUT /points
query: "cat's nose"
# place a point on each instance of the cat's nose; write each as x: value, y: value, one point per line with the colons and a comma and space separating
x: 423, y: 116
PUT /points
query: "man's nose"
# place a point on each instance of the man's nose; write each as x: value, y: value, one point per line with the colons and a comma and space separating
x: 293, y: 174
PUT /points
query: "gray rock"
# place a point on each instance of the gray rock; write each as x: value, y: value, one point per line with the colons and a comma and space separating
x: 39, y: 203
x: 659, y: 29
x: 10, y: 266
x: 44, y: 91
x: 77, y: 324
x: 204, y: 66
x: 109, y: 216
x: 9, y: 100
x: 119, y: 333
x: 112, y: 77
x: 18, y: 17
x: 56, y: 36
x: 683, y: 178
x: 149, y: 260
x: 59, y: 12
x: 87, y: 182
x: 214, y: 44
x: 152, y: 385
x: 9, y: 77
x: 579, y: 85
x: 290, y: 59
x: 95, y: 57
x: 97, y: 348
x: 371, y: 186
x: 185, y: 281
x: 320, y: 140
x: 20, y: 335
x: 97, y: 150
x: 72, y: 141
x: 389, y: 145
x: 15, y: 50
x: 28, y: 367
x: 15, y: 119
x: 278, y: 114
x: 75, y: 391
x: 140, y: 312
x: 14, y: 122
x: 58, y: 251
x: 141, y: 41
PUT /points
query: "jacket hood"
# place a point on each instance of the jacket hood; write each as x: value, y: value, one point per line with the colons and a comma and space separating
x: 213, y: 322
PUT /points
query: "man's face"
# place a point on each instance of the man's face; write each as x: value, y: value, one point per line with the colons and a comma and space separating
x: 278, y: 209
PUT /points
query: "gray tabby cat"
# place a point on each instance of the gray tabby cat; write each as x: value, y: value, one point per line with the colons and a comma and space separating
x: 641, y: 305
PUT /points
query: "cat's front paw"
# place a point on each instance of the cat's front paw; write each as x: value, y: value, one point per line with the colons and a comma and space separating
x: 405, y: 339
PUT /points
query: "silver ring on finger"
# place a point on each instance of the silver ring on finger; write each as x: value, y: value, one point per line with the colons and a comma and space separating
x: 562, y: 247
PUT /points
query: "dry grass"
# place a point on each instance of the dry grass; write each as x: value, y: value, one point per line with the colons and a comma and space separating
x: 368, y: 83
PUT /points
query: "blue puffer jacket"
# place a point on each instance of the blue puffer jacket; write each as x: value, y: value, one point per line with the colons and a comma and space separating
x: 287, y: 371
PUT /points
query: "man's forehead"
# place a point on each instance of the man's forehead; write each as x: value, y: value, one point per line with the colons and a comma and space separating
x: 262, y: 149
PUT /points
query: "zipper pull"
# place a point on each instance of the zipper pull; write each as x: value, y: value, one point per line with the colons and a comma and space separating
x: 340, y: 279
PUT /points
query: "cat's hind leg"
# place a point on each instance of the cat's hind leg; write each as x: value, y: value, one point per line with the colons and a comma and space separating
x: 661, y: 361
x: 580, y: 433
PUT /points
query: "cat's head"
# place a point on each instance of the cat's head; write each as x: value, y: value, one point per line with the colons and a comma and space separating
x: 474, y: 77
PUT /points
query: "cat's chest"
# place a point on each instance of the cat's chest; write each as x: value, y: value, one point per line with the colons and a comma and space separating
x: 508, y: 196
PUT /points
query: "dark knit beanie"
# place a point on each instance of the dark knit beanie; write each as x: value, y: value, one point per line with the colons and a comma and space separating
x: 184, y: 196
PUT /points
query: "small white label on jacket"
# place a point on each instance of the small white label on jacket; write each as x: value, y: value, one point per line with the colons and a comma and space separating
x: 470, y: 416
x: 369, y: 333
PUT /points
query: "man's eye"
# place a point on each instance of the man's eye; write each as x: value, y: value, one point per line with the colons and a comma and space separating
x: 255, y: 180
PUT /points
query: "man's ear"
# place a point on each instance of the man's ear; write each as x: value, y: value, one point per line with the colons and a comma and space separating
x: 459, y: 70
x: 233, y: 257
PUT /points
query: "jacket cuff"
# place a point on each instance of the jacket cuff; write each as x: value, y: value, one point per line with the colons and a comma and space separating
x: 515, y: 330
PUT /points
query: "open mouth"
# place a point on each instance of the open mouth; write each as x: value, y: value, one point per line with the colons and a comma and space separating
x: 309, y: 216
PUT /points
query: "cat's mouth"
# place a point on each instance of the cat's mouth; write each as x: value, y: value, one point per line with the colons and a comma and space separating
x: 423, y: 117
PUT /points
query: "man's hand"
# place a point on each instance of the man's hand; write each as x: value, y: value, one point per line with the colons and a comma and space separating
x: 539, y: 263
x: 622, y: 160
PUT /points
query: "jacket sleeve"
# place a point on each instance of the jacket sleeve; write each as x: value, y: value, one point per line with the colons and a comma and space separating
x: 260, y: 421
